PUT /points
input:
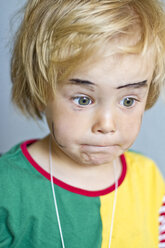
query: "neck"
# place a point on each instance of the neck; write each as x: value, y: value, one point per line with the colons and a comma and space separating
x: 87, y: 177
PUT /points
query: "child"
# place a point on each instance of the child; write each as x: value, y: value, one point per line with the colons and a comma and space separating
x: 92, y: 68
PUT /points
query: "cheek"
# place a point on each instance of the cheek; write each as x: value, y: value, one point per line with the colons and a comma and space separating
x: 135, y: 122
x: 131, y: 127
x: 66, y: 126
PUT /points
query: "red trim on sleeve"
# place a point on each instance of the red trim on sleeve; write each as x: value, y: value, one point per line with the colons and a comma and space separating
x: 162, y: 241
x: 67, y: 186
x: 162, y: 224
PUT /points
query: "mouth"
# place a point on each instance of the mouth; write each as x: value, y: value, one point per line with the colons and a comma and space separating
x: 99, y: 145
x: 99, y: 148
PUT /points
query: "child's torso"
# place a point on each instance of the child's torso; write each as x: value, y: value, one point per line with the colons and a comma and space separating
x: 28, y: 211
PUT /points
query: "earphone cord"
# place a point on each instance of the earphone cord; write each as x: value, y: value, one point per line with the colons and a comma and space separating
x: 114, y: 203
x: 55, y: 201
x: 54, y: 195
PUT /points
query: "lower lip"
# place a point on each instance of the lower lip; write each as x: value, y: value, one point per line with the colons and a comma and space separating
x: 92, y: 148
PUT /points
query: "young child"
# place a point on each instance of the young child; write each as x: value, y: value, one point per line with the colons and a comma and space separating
x: 92, y: 68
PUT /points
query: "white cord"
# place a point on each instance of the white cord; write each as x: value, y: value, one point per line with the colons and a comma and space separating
x: 54, y: 195
x: 55, y: 200
x: 114, y: 203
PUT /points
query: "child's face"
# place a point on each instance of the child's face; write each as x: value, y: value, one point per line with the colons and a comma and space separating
x: 97, y: 113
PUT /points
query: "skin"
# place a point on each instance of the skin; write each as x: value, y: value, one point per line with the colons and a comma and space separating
x: 95, y: 117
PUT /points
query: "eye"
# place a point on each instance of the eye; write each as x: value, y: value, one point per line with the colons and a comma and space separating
x: 128, y: 102
x: 82, y: 100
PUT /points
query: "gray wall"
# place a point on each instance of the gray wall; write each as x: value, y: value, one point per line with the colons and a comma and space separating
x: 15, y: 128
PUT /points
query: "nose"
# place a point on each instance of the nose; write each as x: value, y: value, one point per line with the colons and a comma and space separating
x: 104, y: 122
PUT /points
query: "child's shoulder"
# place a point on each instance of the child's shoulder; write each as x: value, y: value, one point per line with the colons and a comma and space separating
x: 136, y: 158
x: 10, y: 156
x: 12, y: 161
x: 143, y: 167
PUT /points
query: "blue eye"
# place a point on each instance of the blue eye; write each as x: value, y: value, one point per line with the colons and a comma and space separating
x: 128, y: 102
x: 82, y: 100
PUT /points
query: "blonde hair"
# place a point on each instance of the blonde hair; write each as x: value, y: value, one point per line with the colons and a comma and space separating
x: 57, y: 35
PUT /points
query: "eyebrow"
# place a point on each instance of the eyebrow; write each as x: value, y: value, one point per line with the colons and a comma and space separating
x: 82, y: 82
x: 134, y: 85
x: 88, y: 83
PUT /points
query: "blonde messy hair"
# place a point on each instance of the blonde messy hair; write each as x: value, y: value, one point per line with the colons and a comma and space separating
x: 57, y: 35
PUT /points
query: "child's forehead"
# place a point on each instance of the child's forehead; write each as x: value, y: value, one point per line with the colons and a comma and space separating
x: 112, y: 71
x: 110, y: 55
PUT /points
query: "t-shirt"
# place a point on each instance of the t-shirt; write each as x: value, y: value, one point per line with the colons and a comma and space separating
x: 28, y: 218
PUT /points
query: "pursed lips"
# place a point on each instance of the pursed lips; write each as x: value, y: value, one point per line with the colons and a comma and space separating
x: 95, y: 147
x: 99, y: 145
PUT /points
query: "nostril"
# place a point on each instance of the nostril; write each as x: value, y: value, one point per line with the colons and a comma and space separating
x: 104, y: 129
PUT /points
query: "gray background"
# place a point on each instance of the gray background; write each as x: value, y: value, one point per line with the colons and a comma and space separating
x: 15, y: 128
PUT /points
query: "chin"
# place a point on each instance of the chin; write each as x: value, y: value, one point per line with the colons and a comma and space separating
x: 96, y: 159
